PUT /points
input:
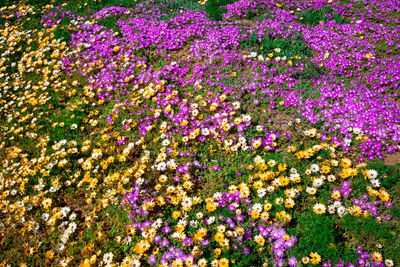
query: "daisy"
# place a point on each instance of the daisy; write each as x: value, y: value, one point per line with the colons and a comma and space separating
x: 261, y: 192
x: 186, y: 202
x: 258, y: 207
x: 166, y: 142
x: 375, y: 182
x: 319, y: 208
x: 341, y: 211
x: 314, y: 168
x: 389, y: 263
x: 318, y: 183
x: 372, y: 174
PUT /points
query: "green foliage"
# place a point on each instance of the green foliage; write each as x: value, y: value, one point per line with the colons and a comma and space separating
x: 39, y: 2
x: 310, y: 70
x: 62, y: 32
x: 314, y: 16
x: 169, y: 9
x: 109, y: 22
x: 372, y: 232
x: 318, y: 233
x: 291, y: 46
x: 215, y: 8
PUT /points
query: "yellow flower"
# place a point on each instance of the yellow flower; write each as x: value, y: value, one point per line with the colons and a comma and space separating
x: 177, y: 263
x: 211, y: 206
x: 46, y: 203
x: 384, y: 195
x: 267, y: 205
x: 326, y: 169
x: 315, y: 258
x: 219, y: 237
x: 257, y: 185
x: 259, y: 240
x: 336, y: 194
x: 282, y: 167
x: 49, y: 254
x: 319, y: 208
x: 223, y: 262
x: 255, y: 214
x: 289, y: 203
x: 345, y: 162
x: 176, y: 214
x: 217, y: 252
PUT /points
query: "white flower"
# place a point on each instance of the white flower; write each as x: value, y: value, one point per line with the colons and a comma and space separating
x: 253, y: 54
x: 199, y: 215
x: 337, y: 204
x: 236, y: 105
x: 72, y: 227
x: 108, y: 257
x: 341, y: 211
x: 183, y: 222
x: 242, y: 140
x: 347, y: 142
x: 195, y: 112
x: 375, y: 182
x: 72, y: 216
x: 162, y: 166
x: 331, y: 178
x: 193, y: 223
x: 157, y: 224
x: 261, y: 192
x: 166, y: 142
x: 186, y: 202
x: 372, y: 174
x: 389, y: 262
x: 45, y: 216
x: 270, y: 189
x: 246, y: 117
x: 318, y: 183
x: 217, y: 195
x: 258, y: 207
x: 259, y: 128
x: 331, y: 209
x: 211, y: 220
x: 293, y: 176
x: 314, y: 168
x: 205, y: 131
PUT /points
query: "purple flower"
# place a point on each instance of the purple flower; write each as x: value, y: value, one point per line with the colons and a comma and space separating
x: 292, y: 261
x: 152, y: 259
x: 246, y: 251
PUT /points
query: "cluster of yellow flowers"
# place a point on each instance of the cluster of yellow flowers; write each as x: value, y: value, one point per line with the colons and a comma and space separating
x: 37, y: 167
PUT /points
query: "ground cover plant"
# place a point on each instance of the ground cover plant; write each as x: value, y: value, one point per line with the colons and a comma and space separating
x: 199, y: 133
